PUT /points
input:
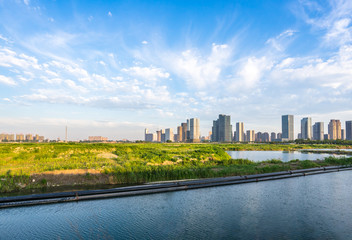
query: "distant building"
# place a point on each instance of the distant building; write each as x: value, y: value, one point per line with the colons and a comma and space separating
x: 184, y: 132
x: 272, y: 137
x: 11, y: 137
x: 299, y: 136
x: 222, y: 129
x: 158, y: 136
x: 306, y: 128
x: 265, y: 137
x: 250, y: 136
x: 287, y: 123
x: 279, y: 136
x: 19, y: 137
x: 179, y: 134
x: 163, y: 136
x: 258, y: 137
x: 343, y: 134
x: 318, y: 131
x: 29, y: 137
x: 194, y: 130
x: 169, y: 134
x: 348, y: 130
x: 239, y: 132
x: 90, y: 138
x: 334, y: 128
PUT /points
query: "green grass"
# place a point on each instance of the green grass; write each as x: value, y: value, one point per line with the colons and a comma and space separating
x: 143, y: 162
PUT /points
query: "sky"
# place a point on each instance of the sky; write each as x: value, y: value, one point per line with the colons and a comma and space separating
x: 113, y: 68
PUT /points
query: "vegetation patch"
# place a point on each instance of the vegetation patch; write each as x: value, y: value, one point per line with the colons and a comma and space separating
x: 41, y: 165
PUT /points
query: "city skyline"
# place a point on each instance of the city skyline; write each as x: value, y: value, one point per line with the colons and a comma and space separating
x: 114, y: 68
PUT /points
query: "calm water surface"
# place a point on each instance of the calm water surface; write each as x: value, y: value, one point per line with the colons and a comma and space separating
x: 284, y: 156
x: 311, y: 207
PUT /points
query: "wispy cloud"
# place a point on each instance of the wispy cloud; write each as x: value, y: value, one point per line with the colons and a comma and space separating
x: 7, y: 80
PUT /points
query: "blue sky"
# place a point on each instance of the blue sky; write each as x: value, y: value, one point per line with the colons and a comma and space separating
x: 112, y: 68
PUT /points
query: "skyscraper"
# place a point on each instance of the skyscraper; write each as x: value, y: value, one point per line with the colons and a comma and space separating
x: 287, y: 128
x: 348, y: 130
x: 306, y: 128
x: 184, y: 132
x: 318, y: 131
x: 194, y: 130
x: 250, y: 136
x: 239, y: 132
x: 179, y: 134
x: 334, y: 129
x: 222, y: 129
x: 169, y: 134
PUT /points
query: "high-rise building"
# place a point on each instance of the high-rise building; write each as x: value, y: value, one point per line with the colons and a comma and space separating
x: 306, y: 128
x: 169, y: 134
x: 29, y: 137
x: 279, y: 136
x: 222, y: 129
x: 163, y: 135
x: 265, y: 137
x: 334, y: 129
x: 179, y: 134
x: 343, y: 134
x: 158, y: 136
x: 272, y: 136
x: 250, y: 136
x: 239, y: 132
x: 318, y: 131
x: 184, y: 132
x: 194, y: 130
x: 19, y: 137
x: 287, y: 123
x: 348, y: 130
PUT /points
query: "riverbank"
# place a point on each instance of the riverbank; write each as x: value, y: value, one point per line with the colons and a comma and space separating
x: 26, y: 167
x: 162, y: 187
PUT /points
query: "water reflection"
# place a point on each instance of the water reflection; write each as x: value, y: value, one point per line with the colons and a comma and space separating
x: 310, y: 207
x: 284, y: 156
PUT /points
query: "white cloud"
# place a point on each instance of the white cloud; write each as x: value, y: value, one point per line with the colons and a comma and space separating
x: 9, y: 58
x: 109, y: 14
x: 144, y: 42
x: 201, y: 71
x: 280, y: 42
x: 252, y: 71
x: 4, y: 38
x: 26, y: 2
x: 149, y: 73
x: 7, y: 80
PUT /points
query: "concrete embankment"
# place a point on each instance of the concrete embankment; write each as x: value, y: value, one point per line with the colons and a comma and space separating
x: 29, y: 200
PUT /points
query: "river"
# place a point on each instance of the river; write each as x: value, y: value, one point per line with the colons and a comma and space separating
x: 310, y: 207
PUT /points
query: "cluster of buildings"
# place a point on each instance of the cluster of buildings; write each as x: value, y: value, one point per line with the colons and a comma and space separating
x: 222, y: 131
x: 4, y: 137
x: 97, y: 139
x: 316, y: 131
x: 187, y: 132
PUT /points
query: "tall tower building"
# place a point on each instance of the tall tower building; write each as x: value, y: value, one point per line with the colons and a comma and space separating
x: 179, y: 134
x: 306, y: 128
x: 348, y: 130
x: 222, y: 129
x: 184, y: 132
x: 318, y: 131
x: 169, y: 134
x: 287, y: 128
x: 194, y: 130
x: 239, y: 132
x: 334, y: 128
x: 250, y: 136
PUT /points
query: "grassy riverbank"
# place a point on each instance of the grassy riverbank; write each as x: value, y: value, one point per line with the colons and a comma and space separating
x: 31, y: 166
